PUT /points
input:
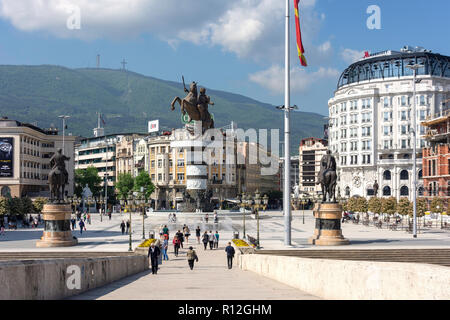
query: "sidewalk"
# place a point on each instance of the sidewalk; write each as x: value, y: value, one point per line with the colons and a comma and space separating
x: 210, y: 280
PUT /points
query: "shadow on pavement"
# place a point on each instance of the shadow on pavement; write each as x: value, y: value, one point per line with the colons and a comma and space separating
x: 110, y: 287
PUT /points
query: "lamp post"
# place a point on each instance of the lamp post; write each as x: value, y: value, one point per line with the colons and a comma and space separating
x: 243, y: 205
x: 63, y: 117
x: 257, y: 205
x: 414, y: 67
x: 130, y: 201
x: 303, y: 202
x: 143, y: 201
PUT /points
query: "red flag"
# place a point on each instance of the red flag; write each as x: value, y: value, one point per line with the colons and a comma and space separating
x: 300, y: 48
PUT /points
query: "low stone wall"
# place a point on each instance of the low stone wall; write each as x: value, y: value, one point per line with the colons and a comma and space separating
x: 61, y: 278
x: 354, y: 280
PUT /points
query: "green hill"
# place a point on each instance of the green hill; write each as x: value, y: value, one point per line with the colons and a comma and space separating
x: 127, y: 100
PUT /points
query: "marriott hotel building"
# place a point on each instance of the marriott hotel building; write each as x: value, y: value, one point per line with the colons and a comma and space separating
x: 371, y: 120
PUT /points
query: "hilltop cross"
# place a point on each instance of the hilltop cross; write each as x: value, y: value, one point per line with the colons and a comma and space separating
x: 123, y: 64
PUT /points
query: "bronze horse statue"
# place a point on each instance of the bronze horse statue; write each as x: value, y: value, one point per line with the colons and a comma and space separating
x: 328, y: 186
x: 195, y: 106
x: 58, y: 177
x: 328, y: 177
x: 189, y: 103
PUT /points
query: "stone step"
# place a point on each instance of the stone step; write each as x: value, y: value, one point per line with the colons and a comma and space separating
x: 429, y: 256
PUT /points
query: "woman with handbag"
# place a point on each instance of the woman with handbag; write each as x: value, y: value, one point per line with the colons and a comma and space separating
x: 191, y: 256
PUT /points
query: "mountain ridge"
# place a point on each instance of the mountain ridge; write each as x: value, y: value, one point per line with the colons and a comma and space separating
x: 128, y: 99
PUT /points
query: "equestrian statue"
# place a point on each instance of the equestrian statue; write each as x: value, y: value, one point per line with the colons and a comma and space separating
x: 327, y: 177
x: 195, y: 106
x: 58, y: 177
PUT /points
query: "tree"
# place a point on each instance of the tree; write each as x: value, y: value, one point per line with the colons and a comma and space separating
x: 124, y: 184
x: 437, y: 205
x: 405, y: 207
x: 344, y: 205
x: 143, y: 180
x: 352, y: 204
x: 16, y: 206
x: 375, y: 205
x: 421, y: 207
x: 38, y: 204
x: 361, y: 204
x: 389, y: 205
x: 90, y: 177
x: 4, y: 205
x: 27, y: 205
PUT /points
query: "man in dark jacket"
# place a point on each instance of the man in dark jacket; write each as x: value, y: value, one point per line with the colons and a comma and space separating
x: 153, y: 253
x: 180, y: 236
x: 230, y: 255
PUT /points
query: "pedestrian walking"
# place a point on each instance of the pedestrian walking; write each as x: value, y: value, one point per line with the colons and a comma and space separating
x: 216, y: 240
x: 191, y: 257
x: 153, y: 253
x: 84, y: 217
x: 109, y: 215
x: 230, y: 255
x: 176, y: 245
x: 89, y: 218
x: 211, y: 238
x: 128, y: 226
x: 73, y: 221
x: 165, y: 248
x: 206, y: 218
x: 197, y: 234
x: 205, y: 239
x: 82, y: 226
x: 2, y: 228
x: 159, y: 245
x: 165, y: 230
x: 216, y: 218
x: 187, y: 233
x: 122, y: 227
x: 180, y: 237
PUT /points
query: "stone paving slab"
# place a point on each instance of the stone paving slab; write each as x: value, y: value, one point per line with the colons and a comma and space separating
x: 210, y: 280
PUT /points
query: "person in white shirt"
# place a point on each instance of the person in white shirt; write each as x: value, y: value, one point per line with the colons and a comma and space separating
x: 211, y: 238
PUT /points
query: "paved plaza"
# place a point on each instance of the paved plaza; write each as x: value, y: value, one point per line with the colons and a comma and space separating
x: 211, y: 279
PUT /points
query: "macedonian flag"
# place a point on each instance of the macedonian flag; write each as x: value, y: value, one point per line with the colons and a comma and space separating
x: 300, y: 49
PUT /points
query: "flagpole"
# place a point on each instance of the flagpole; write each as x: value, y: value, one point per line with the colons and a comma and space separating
x: 287, y: 159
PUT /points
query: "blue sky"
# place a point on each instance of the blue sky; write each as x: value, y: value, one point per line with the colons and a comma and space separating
x: 234, y: 45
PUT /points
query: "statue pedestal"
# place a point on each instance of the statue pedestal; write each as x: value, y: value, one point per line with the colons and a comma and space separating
x: 328, y: 225
x: 57, y: 232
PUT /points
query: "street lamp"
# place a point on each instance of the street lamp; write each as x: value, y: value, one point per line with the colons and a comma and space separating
x: 143, y: 202
x: 303, y: 202
x: 130, y: 201
x: 63, y: 117
x: 414, y: 67
x: 243, y: 205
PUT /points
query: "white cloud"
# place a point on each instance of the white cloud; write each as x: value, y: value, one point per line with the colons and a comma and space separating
x: 351, y: 56
x: 301, y: 80
x: 251, y: 29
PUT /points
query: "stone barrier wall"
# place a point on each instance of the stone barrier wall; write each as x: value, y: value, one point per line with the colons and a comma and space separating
x: 61, y: 278
x: 354, y: 280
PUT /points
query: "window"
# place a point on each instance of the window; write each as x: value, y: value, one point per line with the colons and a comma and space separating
x: 422, y: 115
x: 387, y: 116
x: 404, y: 191
x: 403, y: 101
x: 386, y: 102
x: 180, y: 163
x: 404, y: 129
x: 159, y: 177
x: 347, y: 191
x: 153, y: 163
x: 387, y: 175
x: 180, y: 176
x: 402, y: 115
x: 404, y: 175
x: 420, y: 174
x: 366, y: 131
x: 422, y: 100
x: 159, y: 163
x: 386, y: 191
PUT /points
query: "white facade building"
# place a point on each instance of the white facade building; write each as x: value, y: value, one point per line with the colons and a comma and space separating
x: 371, y: 120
